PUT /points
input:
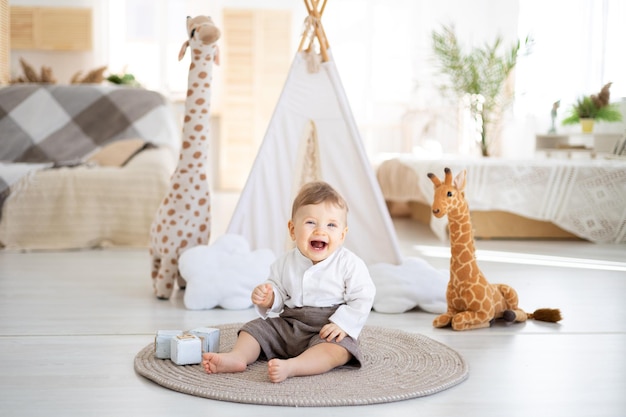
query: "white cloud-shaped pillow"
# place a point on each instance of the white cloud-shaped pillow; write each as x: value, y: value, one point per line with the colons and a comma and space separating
x: 414, y: 283
x: 224, y: 273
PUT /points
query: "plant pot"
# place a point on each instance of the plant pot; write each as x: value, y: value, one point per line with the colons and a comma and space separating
x: 586, y: 125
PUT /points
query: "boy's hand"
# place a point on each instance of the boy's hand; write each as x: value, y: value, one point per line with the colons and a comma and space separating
x: 332, y: 331
x: 263, y: 295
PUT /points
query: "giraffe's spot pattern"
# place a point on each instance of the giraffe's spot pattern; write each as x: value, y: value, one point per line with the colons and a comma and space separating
x: 465, y: 256
x: 474, y: 305
x: 183, y: 219
x: 478, y: 291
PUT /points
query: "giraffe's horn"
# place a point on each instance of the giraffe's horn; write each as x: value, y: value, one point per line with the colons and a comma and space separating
x: 448, y: 180
x: 434, y: 179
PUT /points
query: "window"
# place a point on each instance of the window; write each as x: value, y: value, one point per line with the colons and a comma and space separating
x: 145, y: 38
x: 578, y: 49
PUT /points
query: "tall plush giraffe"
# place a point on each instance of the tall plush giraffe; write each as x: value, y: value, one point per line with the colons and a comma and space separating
x: 183, y: 219
x: 473, y: 303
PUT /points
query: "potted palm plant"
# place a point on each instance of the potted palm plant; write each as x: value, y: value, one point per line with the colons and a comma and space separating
x: 478, y: 77
x: 596, y: 107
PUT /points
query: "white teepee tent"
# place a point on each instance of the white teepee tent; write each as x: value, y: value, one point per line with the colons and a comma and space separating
x: 313, y: 135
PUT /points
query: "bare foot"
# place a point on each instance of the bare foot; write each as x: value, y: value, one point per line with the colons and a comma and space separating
x: 278, y: 370
x: 215, y: 363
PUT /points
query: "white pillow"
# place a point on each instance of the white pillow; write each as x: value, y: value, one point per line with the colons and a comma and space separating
x: 414, y: 283
x: 224, y: 273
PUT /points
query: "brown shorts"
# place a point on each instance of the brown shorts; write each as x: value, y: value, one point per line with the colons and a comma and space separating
x: 296, y: 330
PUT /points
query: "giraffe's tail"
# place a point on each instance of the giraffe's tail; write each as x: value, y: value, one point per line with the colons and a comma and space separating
x: 551, y: 315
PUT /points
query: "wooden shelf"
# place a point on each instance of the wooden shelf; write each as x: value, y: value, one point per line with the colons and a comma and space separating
x: 51, y: 28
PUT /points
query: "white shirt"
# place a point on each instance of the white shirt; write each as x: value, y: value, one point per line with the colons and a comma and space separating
x: 341, y: 279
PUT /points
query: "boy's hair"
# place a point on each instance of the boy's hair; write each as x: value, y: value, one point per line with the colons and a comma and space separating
x: 315, y: 193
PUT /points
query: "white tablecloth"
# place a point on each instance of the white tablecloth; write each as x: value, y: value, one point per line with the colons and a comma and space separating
x: 584, y: 197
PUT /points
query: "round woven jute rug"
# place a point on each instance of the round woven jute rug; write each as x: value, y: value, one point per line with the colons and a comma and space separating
x: 396, y: 366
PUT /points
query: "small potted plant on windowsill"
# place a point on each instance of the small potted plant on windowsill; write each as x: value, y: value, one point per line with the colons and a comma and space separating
x: 589, y: 109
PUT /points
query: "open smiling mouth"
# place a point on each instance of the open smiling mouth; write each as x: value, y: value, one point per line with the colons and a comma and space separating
x: 318, y: 244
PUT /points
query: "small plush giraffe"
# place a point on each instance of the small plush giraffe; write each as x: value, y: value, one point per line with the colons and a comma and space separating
x: 473, y: 303
x: 183, y: 219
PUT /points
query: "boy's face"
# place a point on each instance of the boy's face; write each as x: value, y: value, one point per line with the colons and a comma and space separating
x: 318, y: 230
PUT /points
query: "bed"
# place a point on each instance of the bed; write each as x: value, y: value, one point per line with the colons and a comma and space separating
x: 82, y: 166
x: 537, y: 198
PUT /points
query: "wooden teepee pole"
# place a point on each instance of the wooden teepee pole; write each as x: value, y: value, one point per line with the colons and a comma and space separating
x: 316, y: 16
x: 305, y: 33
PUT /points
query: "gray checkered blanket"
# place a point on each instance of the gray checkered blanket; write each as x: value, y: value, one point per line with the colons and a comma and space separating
x: 43, y: 126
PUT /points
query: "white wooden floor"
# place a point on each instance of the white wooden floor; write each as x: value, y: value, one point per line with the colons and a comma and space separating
x: 72, y: 322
